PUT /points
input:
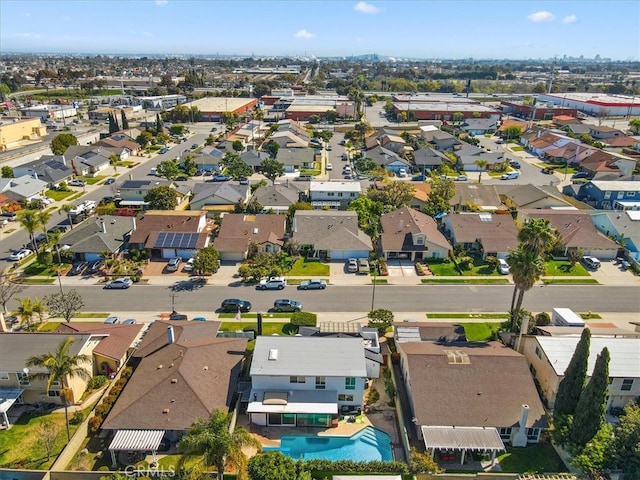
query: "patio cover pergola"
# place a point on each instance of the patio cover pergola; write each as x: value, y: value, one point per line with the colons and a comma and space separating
x: 8, y: 397
x: 136, y: 440
x: 484, y: 439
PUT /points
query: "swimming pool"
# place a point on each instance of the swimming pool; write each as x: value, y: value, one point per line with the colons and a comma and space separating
x: 367, y: 445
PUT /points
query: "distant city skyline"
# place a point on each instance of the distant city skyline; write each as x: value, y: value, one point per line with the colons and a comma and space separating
x: 451, y: 29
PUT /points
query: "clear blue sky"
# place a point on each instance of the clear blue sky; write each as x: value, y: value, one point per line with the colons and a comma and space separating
x: 515, y: 29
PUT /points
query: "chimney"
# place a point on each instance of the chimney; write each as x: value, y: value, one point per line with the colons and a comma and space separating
x: 103, y: 226
x: 171, y: 338
x: 524, y: 415
x: 130, y: 176
x: 259, y: 316
x: 519, y: 433
x: 133, y: 223
x: 400, y: 224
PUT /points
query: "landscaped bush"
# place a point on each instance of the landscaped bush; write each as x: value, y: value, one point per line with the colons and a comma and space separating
x: 111, y: 398
x: 304, y: 319
x: 374, y: 396
x: 126, y: 373
x: 420, y: 269
x: 542, y: 319
x: 120, y: 382
x: 94, y: 424
x: 115, y: 390
x: 384, y: 269
x: 77, y: 418
x: 103, y: 409
x: 349, y: 466
x: 97, y: 382
x: 465, y: 263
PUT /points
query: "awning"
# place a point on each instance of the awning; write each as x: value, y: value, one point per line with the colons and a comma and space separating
x: 8, y: 397
x: 137, y: 440
x: 133, y: 203
x: 326, y: 408
x: 462, y: 438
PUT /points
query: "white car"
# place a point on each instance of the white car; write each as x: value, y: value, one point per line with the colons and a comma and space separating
x: 188, y: 266
x: 273, y: 283
x: 329, y: 167
x: 120, y: 283
x: 20, y: 254
x: 503, y: 267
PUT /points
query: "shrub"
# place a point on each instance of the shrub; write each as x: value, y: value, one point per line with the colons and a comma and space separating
x: 384, y: 270
x: 374, y: 396
x: 111, y: 398
x: 304, y: 319
x: 94, y: 424
x: 77, y: 418
x: 465, y: 263
x: 120, y: 382
x: 97, y: 382
x: 420, y: 269
x: 126, y: 373
x: 542, y: 319
x: 115, y: 390
x: 102, y: 409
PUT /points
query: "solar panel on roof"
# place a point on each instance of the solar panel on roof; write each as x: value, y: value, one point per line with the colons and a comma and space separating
x: 177, y: 240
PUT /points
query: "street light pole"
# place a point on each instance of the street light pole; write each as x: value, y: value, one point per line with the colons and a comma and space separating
x: 373, y: 295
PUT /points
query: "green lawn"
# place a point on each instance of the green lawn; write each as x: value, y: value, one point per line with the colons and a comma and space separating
x: 487, y: 316
x: 569, y: 281
x: 557, y: 268
x: 49, y: 327
x: 480, y: 332
x: 470, y: 281
x: 268, y: 328
x: 37, y: 280
x: 516, y: 148
x: 42, y: 270
x: 443, y: 269
x: 94, y: 180
x: 312, y: 268
x: 91, y: 315
x: 57, y: 195
x: 540, y: 458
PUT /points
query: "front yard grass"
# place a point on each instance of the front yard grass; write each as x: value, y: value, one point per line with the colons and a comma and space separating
x: 94, y: 180
x: 480, y: 332
x: 443, y: 269
x: 309, y: 267
x: 539, y: 458
x: 559, y: 268
x: 49, y: 327
x: 569, y: 281
x: 268, y: 328
x: 57, y: 195
x: 468, y: 281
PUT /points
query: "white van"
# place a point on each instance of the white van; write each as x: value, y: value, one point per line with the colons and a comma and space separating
x: 503, y: 267
x: 510, y: 176
x: 153, y: 171
x: 402, y: 173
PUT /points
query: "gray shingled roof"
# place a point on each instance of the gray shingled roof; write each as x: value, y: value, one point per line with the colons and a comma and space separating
x: 334, y: 230
x: 88, y: 237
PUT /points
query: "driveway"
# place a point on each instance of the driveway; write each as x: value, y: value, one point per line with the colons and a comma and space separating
x: 401, y: 268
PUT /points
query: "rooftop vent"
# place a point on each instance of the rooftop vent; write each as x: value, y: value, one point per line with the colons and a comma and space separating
x: 174, y: 380
x: 457, y: 357
x: 273, y: 354
x: 166, y: 410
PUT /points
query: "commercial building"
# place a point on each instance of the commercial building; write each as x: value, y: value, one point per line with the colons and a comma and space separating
x: 596, y: 104
x: 15, y: 130
x: 212, y: 108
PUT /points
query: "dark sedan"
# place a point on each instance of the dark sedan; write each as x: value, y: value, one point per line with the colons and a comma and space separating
x: 235, y: 304
x: 77, y: 268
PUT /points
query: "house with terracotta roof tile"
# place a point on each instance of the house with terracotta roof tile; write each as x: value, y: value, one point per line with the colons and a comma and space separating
x: 240, y: 232
x: 413, y: 235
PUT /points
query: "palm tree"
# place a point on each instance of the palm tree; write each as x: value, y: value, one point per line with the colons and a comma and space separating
x: 217, y: 444
x: 526, y: 267
x: 482, y: 165
x: 30, y: 221
x: 61, y: 367
x: 538, y: 234
x: 67, y: 207
x: 43, y: 217
x: 38, y: 308
x: 25, y: 309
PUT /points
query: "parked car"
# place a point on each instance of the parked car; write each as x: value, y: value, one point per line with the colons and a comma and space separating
x: 94, y: 266
x: 109, y: 181
x: 243, y: 180
x: 112, y: 320
x: 130, y: 321
x: 287, y: 305
x: 9, y: 215
x: 188, y: 265
x: 220, y: 178
x: 363, y: 266
x: 510, y: 176
x: 352, y: 265
x: 402, y: 173
x: 194, y: 146
x: 461, y: 178
x: 329, y: 167
x: 591, y: 262
x: 40, y: 239
x: 58, y: 228
x: 164, y: 150
x: 78, y: 267
x: 20, y: 254
x: 273, y: 283
x: 174, y: 264
x: 235, y: 304
x: 120, y: 283
x: 548, y: 170
x: 503, y: 267
x: 313, y: 284
x: 419, y: 178
x: 580, y: 175
x: 514, y: 164
x: 76, y: 183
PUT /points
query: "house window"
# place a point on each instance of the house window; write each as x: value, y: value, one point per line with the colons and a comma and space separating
x: 607, y: 195
x: 321, y: 383
x: 620, y: 195
x: 53, y: 393
x: 419, y: 240
x: 627, y: 384
x: 631, y: 194
x: 532, y: 369
x: 538, y: 352
x: 533, y: 434
x: 331, y: 194
x: 55, y: 383
x: 352, y: 194
x: 23, y: 379
x: 345, y: 397
x: 4, y: 376
x: 297, y: 379
x: 339, y: 194
x: 505, y: 433
x: 350, y: 383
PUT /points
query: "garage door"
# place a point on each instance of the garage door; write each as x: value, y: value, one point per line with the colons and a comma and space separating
x: 344, y: 254
x: 231, y: 257
x: 186, y: 254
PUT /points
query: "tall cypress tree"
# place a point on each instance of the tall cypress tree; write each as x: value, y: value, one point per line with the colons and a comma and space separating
x: 113, y: 123
x: 574, y: 379
x: 589, y: 414
x: 158, y: 124
x: 125, y: 122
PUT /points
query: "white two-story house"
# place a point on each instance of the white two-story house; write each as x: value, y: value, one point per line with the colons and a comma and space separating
x: 305, y: 381
x: 333, y: 195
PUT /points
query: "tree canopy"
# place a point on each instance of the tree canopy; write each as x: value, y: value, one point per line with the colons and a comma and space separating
x: 64, y: 305
x: 205, y: 261
x: 272, y: 466
x: 168, y: 169
x: 161, y: 198
x: 61, y: 142
x: 236, y: 166
x: 574, y: 378
x: 272, y: 169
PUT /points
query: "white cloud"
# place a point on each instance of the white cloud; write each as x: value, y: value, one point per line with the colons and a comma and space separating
x: 542, y: 16
x: 29, y: 35
x: 570, y: 19
x: 364, y: 7
x: 304, y: 34
x: 162, y: 2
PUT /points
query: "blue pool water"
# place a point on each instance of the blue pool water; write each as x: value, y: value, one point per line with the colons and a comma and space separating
x: 366, y: 445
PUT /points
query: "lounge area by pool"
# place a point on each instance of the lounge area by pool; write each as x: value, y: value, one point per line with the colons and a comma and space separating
x: 367, y: 445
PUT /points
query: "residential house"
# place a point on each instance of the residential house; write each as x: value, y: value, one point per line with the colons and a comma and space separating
x: 576, y: 231
x: 529, y: 196
x: 596, y: 162
x: 218, y: 197
x: 183, y: 372
x: 409, y: 234
x: 562, y: 120
x: 395, y: 143
x: 620, y: 142
x: 22, y: 189
x: 254, y: 158
x: 475, y: 196
x: 333, y: 234
x: 239, y: 232
x: 577, y: 128
x: 624, y: 226
x: 121, y: 142
x: 421, y: 193
x: 479, y: 126
x: 506, y: 123
x: 609, y: 195
x: 132, y: 192
x: 295, y: 383
x: 602, y: 132
x: 468, y: 155
x: 545, y: 140
x: 549, y: 357
x: 115, y: 343
x: 296, y: 159
x: 427, y: 159
x: 482, y: 233
x: 440, y: 140
x: 388, y: 160
x: 334, y: 195
x: 19, y: 383
x: 91, y: 238
x: 52, y: 169
x: 501, y: 403
x: 288, y: 139
x: 276, y: 198
x: 171, y: 233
